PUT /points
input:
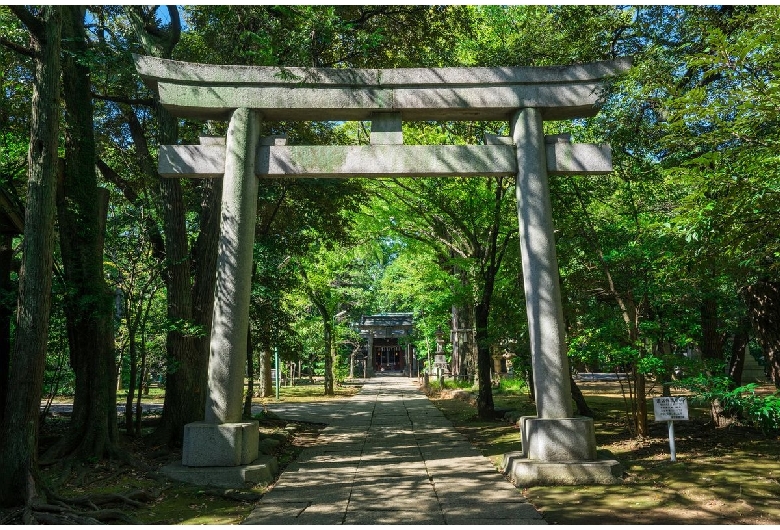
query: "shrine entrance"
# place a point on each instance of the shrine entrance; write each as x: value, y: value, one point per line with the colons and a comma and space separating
x: 388, y: 348
x: 388, y: 356
x: 554, y: 441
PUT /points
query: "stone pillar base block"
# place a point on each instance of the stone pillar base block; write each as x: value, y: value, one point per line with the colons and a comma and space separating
x: 260, y: 472
x: 220, y: 444
x: 558, y: 440
x: 524, y: 472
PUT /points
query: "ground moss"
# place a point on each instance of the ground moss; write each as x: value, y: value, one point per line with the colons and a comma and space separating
x: 722, y: 476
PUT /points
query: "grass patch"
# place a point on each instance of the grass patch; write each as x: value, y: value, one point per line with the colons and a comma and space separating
x: 182, y: 504
x: 311, y: 392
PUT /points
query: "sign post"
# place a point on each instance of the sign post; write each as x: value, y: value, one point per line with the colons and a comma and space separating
x: 276, y: 370
x: 669, y: 409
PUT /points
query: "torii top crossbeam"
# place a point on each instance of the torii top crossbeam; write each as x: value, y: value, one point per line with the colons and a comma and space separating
x: 205, y: 91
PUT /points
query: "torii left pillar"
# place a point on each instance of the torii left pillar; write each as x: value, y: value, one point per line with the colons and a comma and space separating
x: 222, y: 439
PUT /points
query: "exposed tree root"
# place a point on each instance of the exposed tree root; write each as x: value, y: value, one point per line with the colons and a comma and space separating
x: 89, y: 509
x: 56, y: 514
x: 136, y: 499
x: 11, y: 516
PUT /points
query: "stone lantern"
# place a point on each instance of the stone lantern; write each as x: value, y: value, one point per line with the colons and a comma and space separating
x: 439, y: 360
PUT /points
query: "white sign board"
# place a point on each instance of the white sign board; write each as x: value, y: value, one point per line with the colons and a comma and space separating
x: 670, y: 408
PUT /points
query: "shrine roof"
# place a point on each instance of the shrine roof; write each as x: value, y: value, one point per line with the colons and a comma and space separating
x: 387, y: 320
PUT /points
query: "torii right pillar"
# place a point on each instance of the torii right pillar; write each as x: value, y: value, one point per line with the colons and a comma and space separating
x: 557, y: 447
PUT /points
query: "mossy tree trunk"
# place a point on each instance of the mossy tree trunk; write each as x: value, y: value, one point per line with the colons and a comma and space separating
x: 763, y: 299
x: 6, y: 313
x: 89, y: 303
x: 19, y: 435
x: 190, y: 302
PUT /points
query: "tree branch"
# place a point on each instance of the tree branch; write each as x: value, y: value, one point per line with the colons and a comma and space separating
x: 33, y: 24
x: 21, y: 50
x: 113, y: 177
x: 122, y: 99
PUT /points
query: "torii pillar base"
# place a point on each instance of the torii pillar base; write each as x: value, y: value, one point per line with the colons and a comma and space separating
x: 524, y: 472
x: 220, y: 444
x: 222, y: 455
x: 559, y: 451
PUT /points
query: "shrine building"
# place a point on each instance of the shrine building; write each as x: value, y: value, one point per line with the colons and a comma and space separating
x: 388, y: 348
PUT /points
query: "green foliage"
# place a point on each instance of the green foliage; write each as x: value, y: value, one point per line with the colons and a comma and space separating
x: 542, y: 35
x: 741, y: 403
x: 458, y: 384
x: 512, y: 385
x: 184, y: 327
x: 331, y: 36
x: 341, y: 368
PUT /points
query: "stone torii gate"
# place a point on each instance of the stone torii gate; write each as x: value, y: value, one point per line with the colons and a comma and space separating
x: 556, y: 445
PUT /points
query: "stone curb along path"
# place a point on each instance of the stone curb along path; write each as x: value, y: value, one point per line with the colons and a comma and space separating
x: 388, y: 456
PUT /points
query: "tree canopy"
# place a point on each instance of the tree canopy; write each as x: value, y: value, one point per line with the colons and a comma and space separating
x: 669, y: 265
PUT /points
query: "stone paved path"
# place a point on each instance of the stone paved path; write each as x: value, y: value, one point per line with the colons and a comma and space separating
x: 388, y: 456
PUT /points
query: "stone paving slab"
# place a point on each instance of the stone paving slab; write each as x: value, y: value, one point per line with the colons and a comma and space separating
x: 388, y: 456
x: 393, y: 517
x: 329, y: 496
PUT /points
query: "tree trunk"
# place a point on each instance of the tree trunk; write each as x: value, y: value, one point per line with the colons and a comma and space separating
x: 328, y: 338
x: 131, y: 386
x: 185, y: 395
x: 463, y: 344
x: 141, y: 381
x: 485, y: 408
x: 19, y: 435
x: 763, y: 300
x: 492, y: 255
x: 82, y: 208
x: 6, y: 312
x: 642, y: 429
x: 183, y: 387
x: 266, y: 385
x: 327, y: 333
x: 737, y: 360
x: 205, y: 254
x: 582, y: 406
x: 711, y: 344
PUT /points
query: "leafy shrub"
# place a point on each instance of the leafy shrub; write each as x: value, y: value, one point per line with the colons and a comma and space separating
x: 463, y: 384
x: 741, y: 403
x: 449, y: 384
x: 764, y: 411
x: 512, y: 385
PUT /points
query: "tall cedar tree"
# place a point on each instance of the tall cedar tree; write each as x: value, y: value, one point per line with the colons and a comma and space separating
x: 19, y: 436
x: 81, y: 211
x: 188, y: 302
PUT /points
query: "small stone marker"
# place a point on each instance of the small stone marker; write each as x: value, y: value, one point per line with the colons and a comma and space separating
x: 669, y: 409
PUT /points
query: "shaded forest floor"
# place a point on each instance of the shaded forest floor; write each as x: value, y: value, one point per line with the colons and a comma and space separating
x: 115, y: 485
x: 722, y: 476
